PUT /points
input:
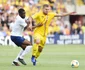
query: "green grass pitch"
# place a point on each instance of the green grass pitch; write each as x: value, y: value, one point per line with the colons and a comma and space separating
x: 53, y: 57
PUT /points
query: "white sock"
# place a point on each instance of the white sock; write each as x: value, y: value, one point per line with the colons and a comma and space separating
x: 27, y: 49
x: 20, y: 53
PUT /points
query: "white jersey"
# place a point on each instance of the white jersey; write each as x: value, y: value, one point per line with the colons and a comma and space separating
x: 18, y: 26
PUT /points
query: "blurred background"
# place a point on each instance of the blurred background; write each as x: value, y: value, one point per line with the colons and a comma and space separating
x: 62, y: 30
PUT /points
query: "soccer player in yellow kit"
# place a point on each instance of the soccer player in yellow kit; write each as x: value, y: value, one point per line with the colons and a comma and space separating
x: 42, y: 20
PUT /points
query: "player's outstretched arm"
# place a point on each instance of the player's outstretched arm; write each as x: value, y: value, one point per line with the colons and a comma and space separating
x: 64, y: 14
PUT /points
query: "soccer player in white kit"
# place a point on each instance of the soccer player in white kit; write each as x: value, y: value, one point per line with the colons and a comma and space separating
x: 16, y: 36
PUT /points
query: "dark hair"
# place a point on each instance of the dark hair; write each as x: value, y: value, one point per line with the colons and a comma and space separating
x: 45, y: 5
x: 20, y: 10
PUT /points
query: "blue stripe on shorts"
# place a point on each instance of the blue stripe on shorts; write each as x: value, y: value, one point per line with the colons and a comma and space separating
x: 17, y: 40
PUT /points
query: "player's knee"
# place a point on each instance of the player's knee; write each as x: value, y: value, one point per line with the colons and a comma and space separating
x: 37, y: 41
x: 40, y: 49
x: 23, y: 47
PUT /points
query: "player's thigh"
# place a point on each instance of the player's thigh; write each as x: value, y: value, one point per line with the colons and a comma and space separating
x: 37, y: 38
x: 26, y: 42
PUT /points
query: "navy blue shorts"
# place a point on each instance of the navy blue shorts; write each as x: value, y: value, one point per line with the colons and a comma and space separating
x: 17, y: 40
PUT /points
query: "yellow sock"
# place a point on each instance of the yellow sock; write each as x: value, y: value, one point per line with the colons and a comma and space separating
x: 38, y: 54
x: 35, y: 49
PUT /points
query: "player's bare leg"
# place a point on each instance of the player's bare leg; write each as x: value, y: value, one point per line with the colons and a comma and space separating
x: 25, y: 44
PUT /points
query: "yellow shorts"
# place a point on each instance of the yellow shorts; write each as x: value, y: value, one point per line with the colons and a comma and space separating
x: 41, y: 38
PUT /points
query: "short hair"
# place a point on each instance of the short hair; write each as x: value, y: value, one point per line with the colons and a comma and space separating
x: 45, y: 5
x: 20, y: 10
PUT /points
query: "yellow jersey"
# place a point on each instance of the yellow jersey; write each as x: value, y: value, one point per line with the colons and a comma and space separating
x: 45, y: 20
